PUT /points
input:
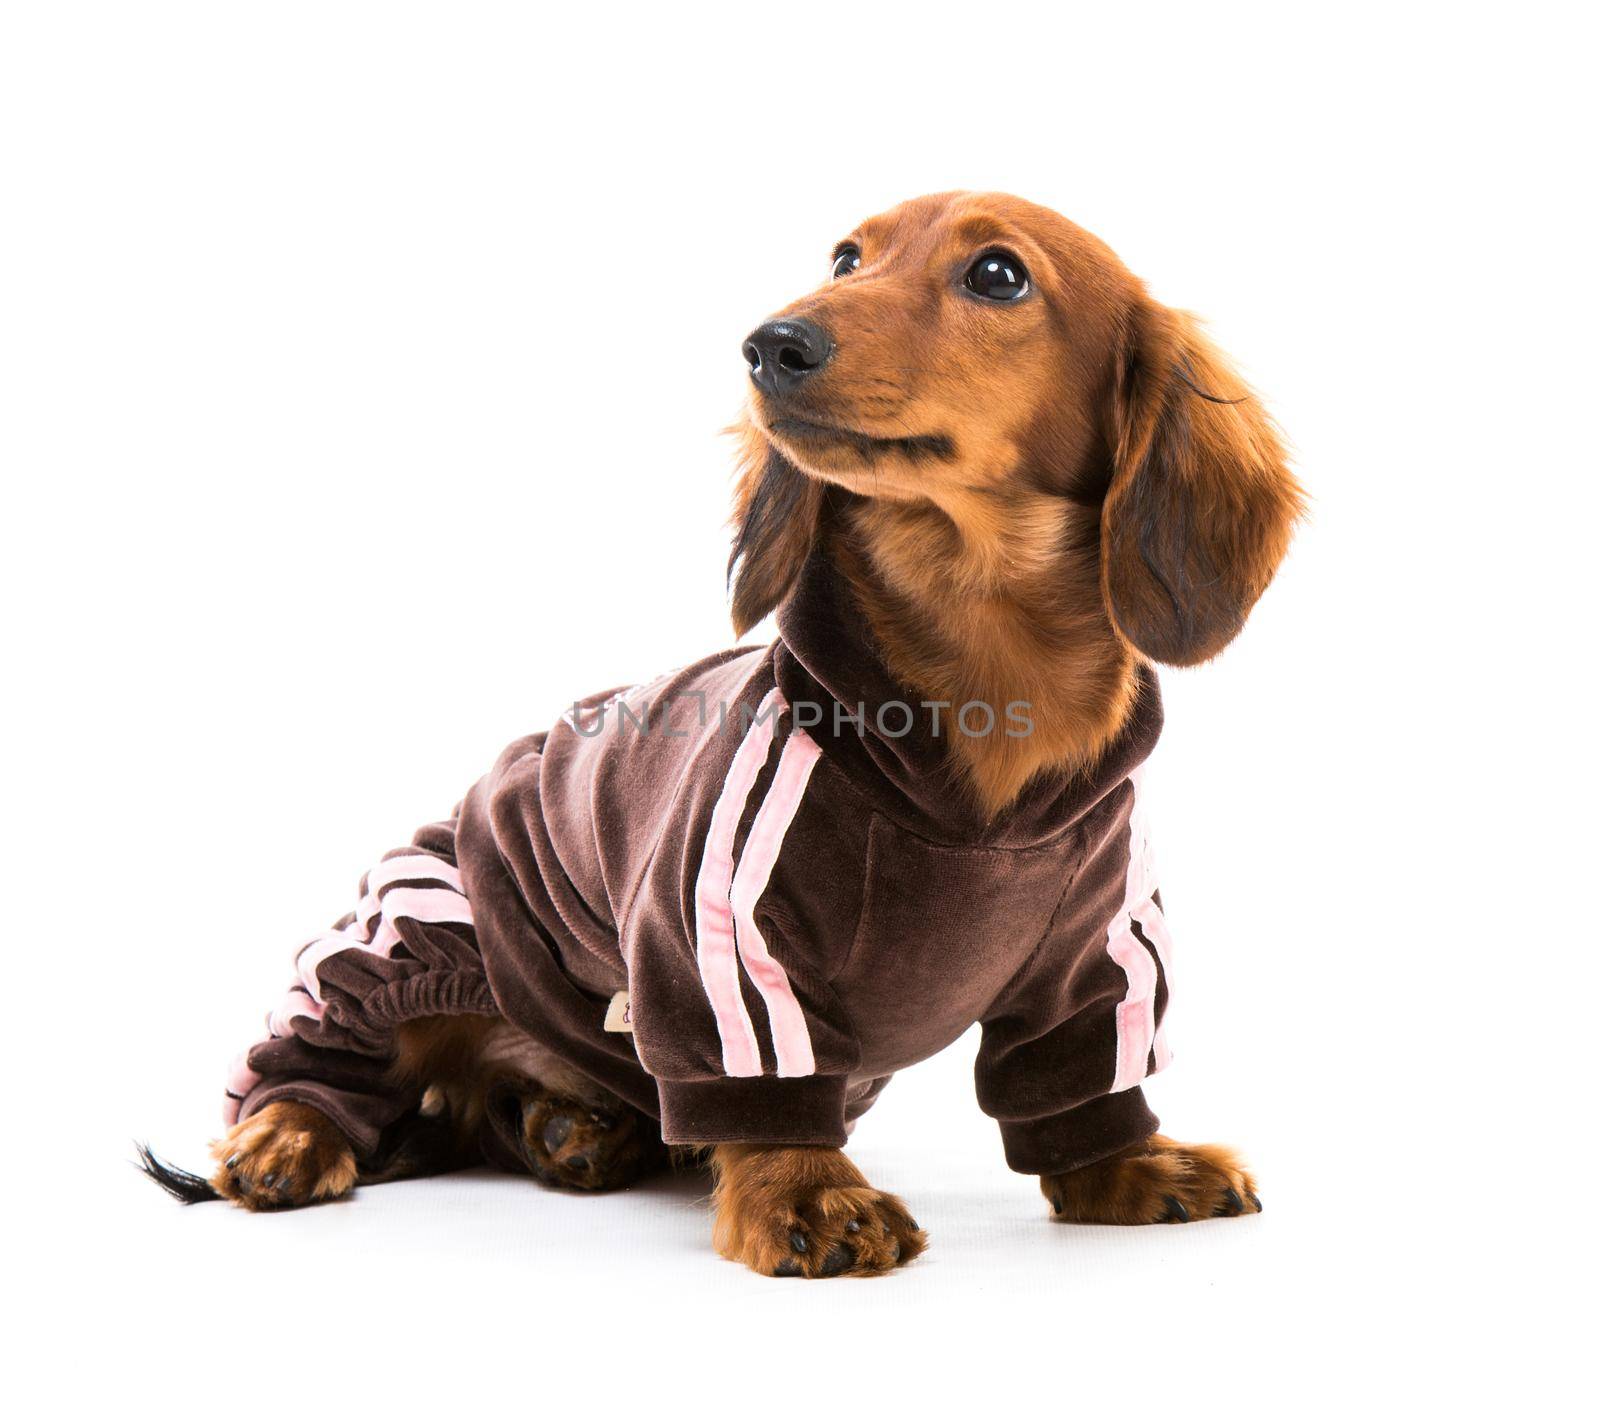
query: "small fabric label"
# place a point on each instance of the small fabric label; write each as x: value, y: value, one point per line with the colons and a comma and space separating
x: 618, y: 1014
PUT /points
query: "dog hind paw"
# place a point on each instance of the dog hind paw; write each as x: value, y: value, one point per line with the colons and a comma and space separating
x: 577, y: 1147
x: 285, y: 1156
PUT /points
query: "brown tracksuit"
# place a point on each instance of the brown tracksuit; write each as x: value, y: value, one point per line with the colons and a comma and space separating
x: 783, y: 896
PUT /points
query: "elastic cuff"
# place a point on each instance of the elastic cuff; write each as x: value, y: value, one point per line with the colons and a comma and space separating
x: 1053, y: 1145
x: 335, y: 1105
x: 764, y: 1110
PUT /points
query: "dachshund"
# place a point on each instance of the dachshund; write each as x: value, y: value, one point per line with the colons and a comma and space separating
x: 980, y: 469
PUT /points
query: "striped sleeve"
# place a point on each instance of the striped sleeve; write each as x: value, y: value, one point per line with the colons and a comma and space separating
x: 732, y: 1019
x: 411, y: 918
x: 1065, y: 1051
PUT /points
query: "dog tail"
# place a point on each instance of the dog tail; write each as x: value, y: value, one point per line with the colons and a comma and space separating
x: 184, y: 1186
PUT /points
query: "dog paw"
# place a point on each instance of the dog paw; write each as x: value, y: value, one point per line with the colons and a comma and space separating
x: 579, y: 1147
x: 799, y: 1212
x: 1159, y: 1182
x: 286, y: 1155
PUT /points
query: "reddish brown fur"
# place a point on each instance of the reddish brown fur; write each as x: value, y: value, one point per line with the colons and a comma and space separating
x: 455, y: 1062
x: 807, y: 1212
x: 1094, y: 508
x: 284, y: 1156
x: 457, y: 1059
x: 1092, y: 486
x: 287, y: 1154
x: 1160, y: 1181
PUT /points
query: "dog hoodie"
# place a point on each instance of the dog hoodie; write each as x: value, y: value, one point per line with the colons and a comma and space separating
x: 742, y: 896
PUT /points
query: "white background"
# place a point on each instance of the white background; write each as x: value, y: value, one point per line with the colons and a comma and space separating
x: 361, y: 374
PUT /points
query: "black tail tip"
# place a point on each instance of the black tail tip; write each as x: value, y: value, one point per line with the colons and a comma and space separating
x: 184, y: 1187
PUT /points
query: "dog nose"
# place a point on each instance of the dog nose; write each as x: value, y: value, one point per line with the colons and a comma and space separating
x: 783, y: 354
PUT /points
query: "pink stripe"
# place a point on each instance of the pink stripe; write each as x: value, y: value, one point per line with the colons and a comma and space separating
x: 297, y: 1003
x: 314, y: 954
x: 382, y: 901
x: 242, y: 1077
x: 790, y: 1038
x: 419, y: 904
x: 426, y: 905
x: 713, y: 910
x: 1136, y: 1015
x: 242, y: 1080
x: 1137, y: 1033
x: 1163, y: 1053
x: 1154, y: 924
x: 413, y: 867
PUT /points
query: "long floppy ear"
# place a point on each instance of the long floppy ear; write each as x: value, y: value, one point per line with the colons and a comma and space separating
x: 776, y: 510
x: 1201, y: 503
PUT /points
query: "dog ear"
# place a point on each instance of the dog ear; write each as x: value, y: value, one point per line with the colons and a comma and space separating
x: 776, y: 512
x: 1201, y: 503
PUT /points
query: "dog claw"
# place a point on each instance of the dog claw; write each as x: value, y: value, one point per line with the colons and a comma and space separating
x: 1255, y: 1200
x: 556, y: 1131
x: 798, y: 1242
x: 1233, y: 1205
x: 852, y: 1227
x: 839, y: 1259
x: 1058, y: 1204
x: 1176, y: 1214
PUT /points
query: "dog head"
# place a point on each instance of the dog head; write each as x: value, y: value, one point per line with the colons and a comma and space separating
x: 974, y: 349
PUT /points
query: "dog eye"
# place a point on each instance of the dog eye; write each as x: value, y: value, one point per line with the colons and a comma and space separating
x: 998, y: 277
x: 846, y: 261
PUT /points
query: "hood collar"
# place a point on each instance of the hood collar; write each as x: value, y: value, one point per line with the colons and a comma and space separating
x: 839, y: 685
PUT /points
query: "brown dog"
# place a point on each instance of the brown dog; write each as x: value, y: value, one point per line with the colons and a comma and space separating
x: 1028, y: 480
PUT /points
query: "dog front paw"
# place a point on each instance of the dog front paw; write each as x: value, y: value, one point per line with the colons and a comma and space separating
x: 1158, y: 1182
x: 802, y: 1212
x: 284, y: 1156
